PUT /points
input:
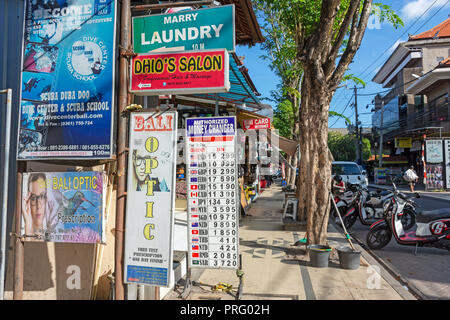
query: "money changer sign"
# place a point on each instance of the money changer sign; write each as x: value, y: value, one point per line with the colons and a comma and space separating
x: 150, y: 198
x: 212, y: 192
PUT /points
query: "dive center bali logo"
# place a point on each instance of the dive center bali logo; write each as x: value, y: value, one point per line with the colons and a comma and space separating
x: 87, y: 58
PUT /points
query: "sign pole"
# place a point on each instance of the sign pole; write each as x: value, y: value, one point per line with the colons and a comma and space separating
x: 18, y: 244
x: 125, y: 42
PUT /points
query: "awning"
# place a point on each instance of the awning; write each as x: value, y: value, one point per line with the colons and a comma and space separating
x: 242, y: 90
x: 287, y: 145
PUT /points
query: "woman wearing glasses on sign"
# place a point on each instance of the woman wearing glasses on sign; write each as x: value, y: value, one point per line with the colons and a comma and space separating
x: 37, y: 209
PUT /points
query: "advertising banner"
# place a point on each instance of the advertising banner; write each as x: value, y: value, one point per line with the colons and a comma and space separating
x: 435, y: 179
x: 256, y: 124
x: 67, y: 95
x: 434, y: 151
x: 63, y: 207
x: 202, y: 29
x: 403, y: 143
x: 150, y: 198
x: 213, y: 192
x: 187, y: 73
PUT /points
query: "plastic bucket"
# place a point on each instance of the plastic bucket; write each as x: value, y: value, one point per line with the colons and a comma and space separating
x: 348, y: 259
x: 319, y: 255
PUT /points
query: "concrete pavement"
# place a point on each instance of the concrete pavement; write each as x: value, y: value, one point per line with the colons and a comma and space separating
x: 274, y: 269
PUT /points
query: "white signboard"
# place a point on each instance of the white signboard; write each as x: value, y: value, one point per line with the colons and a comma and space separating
x: 150, y: 198
x: 447, y: 164
x: 212, y: 190
x: 434, y: 151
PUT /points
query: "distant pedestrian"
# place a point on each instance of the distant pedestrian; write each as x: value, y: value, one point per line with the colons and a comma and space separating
x: 411, y: 177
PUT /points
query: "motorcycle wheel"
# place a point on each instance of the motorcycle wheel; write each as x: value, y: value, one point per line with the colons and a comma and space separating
x: 408, y: 219
x: 378, y: 237
x: 349, y: 221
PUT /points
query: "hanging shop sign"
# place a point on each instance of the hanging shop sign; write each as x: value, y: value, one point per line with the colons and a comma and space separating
x: 447, y: 163
x: 213, y: 192
x: 67, y: 94
x: 403, y: 143
x: 186, y: 73
x: 63, y: 207
x: 256, y: 124
x: 150, y: 198
x: 203, y: 29
x: 434, y: 151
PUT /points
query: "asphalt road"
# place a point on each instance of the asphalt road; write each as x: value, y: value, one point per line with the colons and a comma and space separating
x: 428, y: 272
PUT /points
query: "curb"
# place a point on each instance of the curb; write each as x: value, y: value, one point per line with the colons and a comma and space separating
x: 406, y: 290
x: 393, y: 278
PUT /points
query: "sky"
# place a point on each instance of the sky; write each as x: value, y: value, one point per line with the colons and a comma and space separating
x: 380, y: 40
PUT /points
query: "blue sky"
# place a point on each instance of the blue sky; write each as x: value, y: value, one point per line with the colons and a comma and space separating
x: 379, y: 41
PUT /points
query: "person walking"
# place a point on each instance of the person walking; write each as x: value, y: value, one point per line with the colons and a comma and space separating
x: 411, y: 176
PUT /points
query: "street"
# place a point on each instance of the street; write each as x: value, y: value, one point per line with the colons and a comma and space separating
x: 428, y: 271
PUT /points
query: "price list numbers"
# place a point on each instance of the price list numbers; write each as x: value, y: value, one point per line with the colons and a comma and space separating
x: 212, y: 207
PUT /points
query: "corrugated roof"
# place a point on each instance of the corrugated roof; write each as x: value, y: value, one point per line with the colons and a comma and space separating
x: 242, y: 89
x: 444, y: 63
x: 442, y: 30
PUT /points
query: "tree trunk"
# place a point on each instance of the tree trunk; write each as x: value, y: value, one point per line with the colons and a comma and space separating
x: 315, y: 164
x: 293, y: 175
x: 288, y: 170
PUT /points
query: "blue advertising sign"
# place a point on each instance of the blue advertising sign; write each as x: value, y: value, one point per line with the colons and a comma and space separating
x: 204, y: 127
x: 63, y: 207
x: 67, y: 94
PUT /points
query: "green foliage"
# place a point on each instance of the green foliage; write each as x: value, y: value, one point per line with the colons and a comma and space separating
x: 343, y: 147
x: 283, y: 119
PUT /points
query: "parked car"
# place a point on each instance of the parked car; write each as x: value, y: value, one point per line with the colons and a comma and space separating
x: 350, y: 172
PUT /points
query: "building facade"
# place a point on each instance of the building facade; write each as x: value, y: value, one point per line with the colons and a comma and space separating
x: 414, y: 106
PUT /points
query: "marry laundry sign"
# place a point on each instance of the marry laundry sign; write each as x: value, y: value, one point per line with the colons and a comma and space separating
x: 210, y: 28
x: 184, y: 72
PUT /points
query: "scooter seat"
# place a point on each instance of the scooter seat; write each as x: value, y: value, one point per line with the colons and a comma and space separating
x: 428, y: 216
x: 380, y: 193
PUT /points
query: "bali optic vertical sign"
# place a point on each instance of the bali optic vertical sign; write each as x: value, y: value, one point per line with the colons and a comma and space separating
x: 150, y: 198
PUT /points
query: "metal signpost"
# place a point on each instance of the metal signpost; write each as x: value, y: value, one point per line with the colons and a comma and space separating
x: 150, y: 198
x: 4, y: 213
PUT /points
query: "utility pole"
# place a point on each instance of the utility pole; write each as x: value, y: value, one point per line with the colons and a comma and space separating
x: 380, y: 160
x: 125, y: 44
x: 358, y: 130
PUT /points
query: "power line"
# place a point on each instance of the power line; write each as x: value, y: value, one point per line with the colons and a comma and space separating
x: 342, y: 113
x: 382, y: 54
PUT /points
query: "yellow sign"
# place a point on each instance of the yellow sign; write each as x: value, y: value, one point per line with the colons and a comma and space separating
x: 403, y: 143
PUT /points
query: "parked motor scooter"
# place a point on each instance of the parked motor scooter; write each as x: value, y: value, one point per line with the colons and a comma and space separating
x: 369, y: 207
x: 433, y: 227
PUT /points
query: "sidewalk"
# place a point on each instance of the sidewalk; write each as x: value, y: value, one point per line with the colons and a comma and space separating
x: 442, y: 195
x: 276, y: 270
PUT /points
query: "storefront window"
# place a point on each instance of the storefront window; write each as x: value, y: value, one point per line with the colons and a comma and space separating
x: 439, y: 108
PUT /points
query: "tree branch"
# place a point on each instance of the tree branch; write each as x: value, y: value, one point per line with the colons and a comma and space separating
x: 322, y: 37
x: 356, y: 35
x: 343, y: 29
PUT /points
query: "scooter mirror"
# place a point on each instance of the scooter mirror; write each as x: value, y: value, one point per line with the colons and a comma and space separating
x: 417, y: 195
